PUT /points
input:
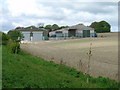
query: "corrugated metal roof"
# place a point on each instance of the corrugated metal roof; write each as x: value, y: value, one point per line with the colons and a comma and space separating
x: 78, y: 27
x: 81, y: 27
x: 31, y: 28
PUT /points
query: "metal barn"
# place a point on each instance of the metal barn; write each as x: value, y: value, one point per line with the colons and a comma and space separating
x: 33, y: 34
x: 79, y: 30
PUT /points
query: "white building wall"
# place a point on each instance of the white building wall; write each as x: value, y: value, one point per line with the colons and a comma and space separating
x: 37, y: 35
x: 65, y: 32
x: 91, y: 32
x: 79, y: 33
x: 26, y: 35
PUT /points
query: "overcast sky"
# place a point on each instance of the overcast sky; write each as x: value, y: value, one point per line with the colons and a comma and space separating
x: 31, y: 12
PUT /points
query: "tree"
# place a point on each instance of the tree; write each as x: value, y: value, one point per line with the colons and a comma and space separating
x: 49, y: 27
x: 52, y: 27
x: 3, y: 38
x: 105, y: 26
x: 40, y: 27
x: 15, y: 35
x: 55, y: 27
x: 19, y: 28
x: 63, y: 27
x: 101, y: 27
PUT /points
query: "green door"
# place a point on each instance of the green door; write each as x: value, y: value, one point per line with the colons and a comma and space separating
x: 86, y: 33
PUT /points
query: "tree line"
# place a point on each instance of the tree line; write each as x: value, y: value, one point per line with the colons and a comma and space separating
x: 99, y: 27
x: 53, y: 27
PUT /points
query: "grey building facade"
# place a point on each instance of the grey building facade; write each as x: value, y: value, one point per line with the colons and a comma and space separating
x: 37, y: 35
x: 78, y: 30
x: 33, y: 34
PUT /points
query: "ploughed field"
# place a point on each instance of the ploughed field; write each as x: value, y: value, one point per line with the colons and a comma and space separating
x: 73, y: 53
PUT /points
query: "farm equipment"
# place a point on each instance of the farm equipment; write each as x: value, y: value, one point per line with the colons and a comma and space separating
x: 95, y: 35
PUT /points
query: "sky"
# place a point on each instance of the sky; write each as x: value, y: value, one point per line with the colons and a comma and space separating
x: 25, y: 13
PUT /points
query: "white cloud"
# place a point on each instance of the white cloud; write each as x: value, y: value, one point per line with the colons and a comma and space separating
x: 79, y: 0
x: 27, y: 7
x: 62, y: 12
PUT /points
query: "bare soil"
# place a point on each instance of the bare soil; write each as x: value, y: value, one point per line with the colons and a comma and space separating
x: 73, y: 53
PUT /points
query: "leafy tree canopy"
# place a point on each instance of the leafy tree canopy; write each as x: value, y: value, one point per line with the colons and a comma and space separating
x: 49, y: 27
x: 3, y: 38
x: 101, y: 27
x: 63, y: 27
x: 15, y: 35
x: 55, y: 27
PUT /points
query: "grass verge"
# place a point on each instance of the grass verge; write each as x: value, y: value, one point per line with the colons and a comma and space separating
x: 26, y: 71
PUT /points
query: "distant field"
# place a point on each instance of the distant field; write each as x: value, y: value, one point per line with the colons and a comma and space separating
x: 104, y: 60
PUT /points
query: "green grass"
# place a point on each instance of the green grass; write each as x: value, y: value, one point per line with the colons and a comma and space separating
x: 0, y: 66
x: 26, y: 71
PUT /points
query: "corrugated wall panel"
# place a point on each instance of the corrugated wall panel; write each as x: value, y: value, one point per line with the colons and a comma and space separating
x: 37, y: 36
x: 26, y: 35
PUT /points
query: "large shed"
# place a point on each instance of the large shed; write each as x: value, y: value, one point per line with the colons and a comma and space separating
x: 79, y: 30
x: 33, y: 33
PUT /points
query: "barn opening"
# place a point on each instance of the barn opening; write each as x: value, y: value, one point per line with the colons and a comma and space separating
x: 86, y: 33
x: 72, y: 32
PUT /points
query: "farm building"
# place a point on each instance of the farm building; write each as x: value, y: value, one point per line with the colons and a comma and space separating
x: 33, y: 33
x: 79, y: 30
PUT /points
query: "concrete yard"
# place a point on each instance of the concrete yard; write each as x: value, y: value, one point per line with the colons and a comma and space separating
x: 103, y: 62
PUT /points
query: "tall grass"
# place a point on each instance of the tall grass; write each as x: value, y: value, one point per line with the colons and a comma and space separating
x: 89, y: 58
x: 26, y: 71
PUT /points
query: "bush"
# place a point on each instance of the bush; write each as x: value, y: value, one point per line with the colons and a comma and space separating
x: 15, y: 35
x: 4, y: 39
x: 14, y: 47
